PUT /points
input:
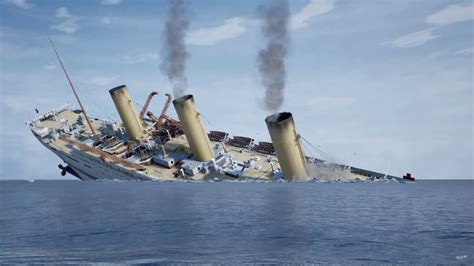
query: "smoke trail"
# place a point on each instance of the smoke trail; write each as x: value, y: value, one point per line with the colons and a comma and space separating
x: 174, y: 49
x: 271, y: 60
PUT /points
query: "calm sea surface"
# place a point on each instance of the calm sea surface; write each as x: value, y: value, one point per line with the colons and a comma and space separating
x: 150, y: 222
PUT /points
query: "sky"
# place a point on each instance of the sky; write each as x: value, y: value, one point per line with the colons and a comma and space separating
x: 381, y: 85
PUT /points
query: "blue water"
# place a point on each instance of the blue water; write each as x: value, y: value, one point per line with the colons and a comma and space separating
x: 146, y: 222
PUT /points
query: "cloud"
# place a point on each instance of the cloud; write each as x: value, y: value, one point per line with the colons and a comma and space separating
x: 111, y: 2
x: 451, y: 14
x: 106, y: 20
x: 231, y: 28
x: 49, y: 66
x: 325, y: 103
x: 17, y: 50
x: 25, y: 104
x: 313, y: 9
x: 69, y: 25
x: 141, y: 58
x: 467, y: 51
x: 63, y: 12
x: 448, y: 15
x: 101, y: 80
x: 131, y: 22
x: 20, y: 4
x: 413, y: 39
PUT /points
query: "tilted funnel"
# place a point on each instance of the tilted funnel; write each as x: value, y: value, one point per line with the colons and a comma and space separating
x: 127, y: 113
x: 287, y: 146
x: 193, y: 128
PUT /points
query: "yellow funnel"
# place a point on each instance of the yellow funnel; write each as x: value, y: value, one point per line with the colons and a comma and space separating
x: 127, y: 113
x: 287, y: 146
x: 193, y: 128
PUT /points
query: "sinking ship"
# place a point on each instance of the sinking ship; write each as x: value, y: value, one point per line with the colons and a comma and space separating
x: 160, y: 147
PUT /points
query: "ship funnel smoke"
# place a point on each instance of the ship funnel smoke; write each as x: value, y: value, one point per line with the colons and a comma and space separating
x: 275, y: 19
x: 174, y: 48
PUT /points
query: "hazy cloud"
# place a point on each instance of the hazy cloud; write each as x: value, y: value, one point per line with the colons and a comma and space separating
x: 467, y: 51
x: 17, y: 50
x: 49, y: 66
x: 452, y: 14
x: 141, y: 58
x: 69, y: 24
x: 63, y: 12
x: 328, y: 102
x: 101, y: 80
x: 106, y: 20
x: 413, y: 39
x: 448, y: 15
x: 111, y: 2
x: 20, y: 3
x: 26, y: 103
x: 231, y: 28
x: 235, y: 27
x: 313, y: 9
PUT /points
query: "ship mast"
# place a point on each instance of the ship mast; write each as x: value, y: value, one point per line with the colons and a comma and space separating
x: 74, y: 91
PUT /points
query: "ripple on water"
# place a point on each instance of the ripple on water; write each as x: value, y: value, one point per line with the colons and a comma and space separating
x: 237, y: 222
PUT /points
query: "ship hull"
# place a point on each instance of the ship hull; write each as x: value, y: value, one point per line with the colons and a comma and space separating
x: 92, y: 168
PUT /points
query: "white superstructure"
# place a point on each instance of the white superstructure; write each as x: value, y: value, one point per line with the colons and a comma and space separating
x: 64, y: 132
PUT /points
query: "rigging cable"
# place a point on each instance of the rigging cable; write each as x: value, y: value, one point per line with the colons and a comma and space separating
x: 206, y: 119
x: 325, y: 156
x: 308, y: 150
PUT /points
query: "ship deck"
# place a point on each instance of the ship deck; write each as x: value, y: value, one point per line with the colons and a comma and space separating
x: 261, y: 169
x: 77, y: 138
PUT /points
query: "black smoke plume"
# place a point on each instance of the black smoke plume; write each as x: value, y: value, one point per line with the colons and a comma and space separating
x: 274, y: 19
x: 174, y: 48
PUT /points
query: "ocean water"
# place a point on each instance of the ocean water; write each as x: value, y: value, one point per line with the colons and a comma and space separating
x: 428, y: 222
